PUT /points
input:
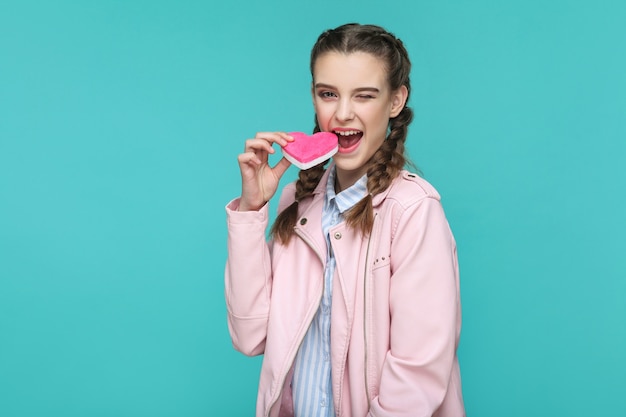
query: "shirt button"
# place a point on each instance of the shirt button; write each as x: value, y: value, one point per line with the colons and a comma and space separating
x: 323, y: 403
x: 337, y: 235
x: 303, y: 221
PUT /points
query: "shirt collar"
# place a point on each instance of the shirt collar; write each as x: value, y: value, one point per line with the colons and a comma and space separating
x: 346, y: 199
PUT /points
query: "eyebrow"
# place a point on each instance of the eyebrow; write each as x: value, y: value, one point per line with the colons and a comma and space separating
x: 356, y: 90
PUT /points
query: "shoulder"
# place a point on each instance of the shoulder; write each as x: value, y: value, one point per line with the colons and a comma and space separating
x: 413, y: 204
x: 409, y: 188
x: 287, y: 196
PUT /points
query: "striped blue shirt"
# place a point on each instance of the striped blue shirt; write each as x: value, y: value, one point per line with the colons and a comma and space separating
x: 311, y: 384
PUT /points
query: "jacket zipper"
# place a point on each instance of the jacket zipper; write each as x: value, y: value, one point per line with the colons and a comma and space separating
x: 367, y: 256
x: 292, y: 359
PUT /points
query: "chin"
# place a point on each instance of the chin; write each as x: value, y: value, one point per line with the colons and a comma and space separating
x: 346, y: 164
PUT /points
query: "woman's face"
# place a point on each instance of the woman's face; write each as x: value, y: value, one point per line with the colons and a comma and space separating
x: 352, y: 98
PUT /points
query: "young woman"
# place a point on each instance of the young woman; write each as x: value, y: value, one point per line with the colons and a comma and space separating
x: 354, y: 301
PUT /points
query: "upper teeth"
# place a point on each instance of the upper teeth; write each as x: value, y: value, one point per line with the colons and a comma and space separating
x: 347, y: 132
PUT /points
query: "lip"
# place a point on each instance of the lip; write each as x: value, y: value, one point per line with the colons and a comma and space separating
x: 350, y: 149
x: 354, y: 146
x: 344, y: 129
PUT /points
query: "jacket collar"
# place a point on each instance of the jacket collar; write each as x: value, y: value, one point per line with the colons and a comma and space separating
x: 309, y: 223
x: 380, y: 197
x: 321, y: 186
x: 376, y: 200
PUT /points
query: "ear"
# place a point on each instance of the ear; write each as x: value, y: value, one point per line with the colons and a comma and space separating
x: 313, y: 94
x: 398, y: 100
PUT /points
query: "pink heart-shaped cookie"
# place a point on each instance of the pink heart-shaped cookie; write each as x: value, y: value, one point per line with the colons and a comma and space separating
x: 306, y: 151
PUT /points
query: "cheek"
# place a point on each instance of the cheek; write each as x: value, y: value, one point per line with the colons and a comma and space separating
x: 323, y: 116
x: 378, y: 118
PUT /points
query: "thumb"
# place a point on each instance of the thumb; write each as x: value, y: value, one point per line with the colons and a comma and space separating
x: 280, y: 168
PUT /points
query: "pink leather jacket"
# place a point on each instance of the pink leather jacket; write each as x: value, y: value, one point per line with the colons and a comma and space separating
x: 396, y: 314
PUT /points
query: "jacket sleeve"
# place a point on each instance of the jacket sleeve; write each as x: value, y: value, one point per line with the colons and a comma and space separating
x: 248, y: 278
x: 424, y: 314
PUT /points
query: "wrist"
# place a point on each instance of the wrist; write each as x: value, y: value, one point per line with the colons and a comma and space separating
x: 246, y: 206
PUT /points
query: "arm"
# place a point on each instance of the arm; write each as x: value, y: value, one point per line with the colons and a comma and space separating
x: 248, y: 278
x: 424, y: 314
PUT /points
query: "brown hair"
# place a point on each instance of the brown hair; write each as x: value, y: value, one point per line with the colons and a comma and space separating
x: 389, y: 159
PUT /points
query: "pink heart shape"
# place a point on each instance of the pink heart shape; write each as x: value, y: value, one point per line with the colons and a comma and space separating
x: 306, y: 151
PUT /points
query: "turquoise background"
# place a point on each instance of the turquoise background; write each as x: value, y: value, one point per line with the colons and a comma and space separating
x: 120, y: 123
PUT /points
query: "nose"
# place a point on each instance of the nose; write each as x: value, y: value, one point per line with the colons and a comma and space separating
x: 345, y: 111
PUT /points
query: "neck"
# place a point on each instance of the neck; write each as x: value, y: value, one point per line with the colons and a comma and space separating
x: 346, y: 179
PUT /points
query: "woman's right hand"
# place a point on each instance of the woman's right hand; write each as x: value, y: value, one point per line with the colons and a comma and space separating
x: 259, y: 181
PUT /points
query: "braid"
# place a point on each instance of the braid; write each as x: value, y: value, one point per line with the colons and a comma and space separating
x: 387, y: 162
x: 283, y: 227
x: 385, y: 166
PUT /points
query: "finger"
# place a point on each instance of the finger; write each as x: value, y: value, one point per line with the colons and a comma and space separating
x: 256, y: 145
x: 281, y: 166
x: 280, y: 138
x: 286, y: 136
x: 249, y: 158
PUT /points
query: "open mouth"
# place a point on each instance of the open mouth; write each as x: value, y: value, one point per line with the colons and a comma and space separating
x: 348, y: 140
